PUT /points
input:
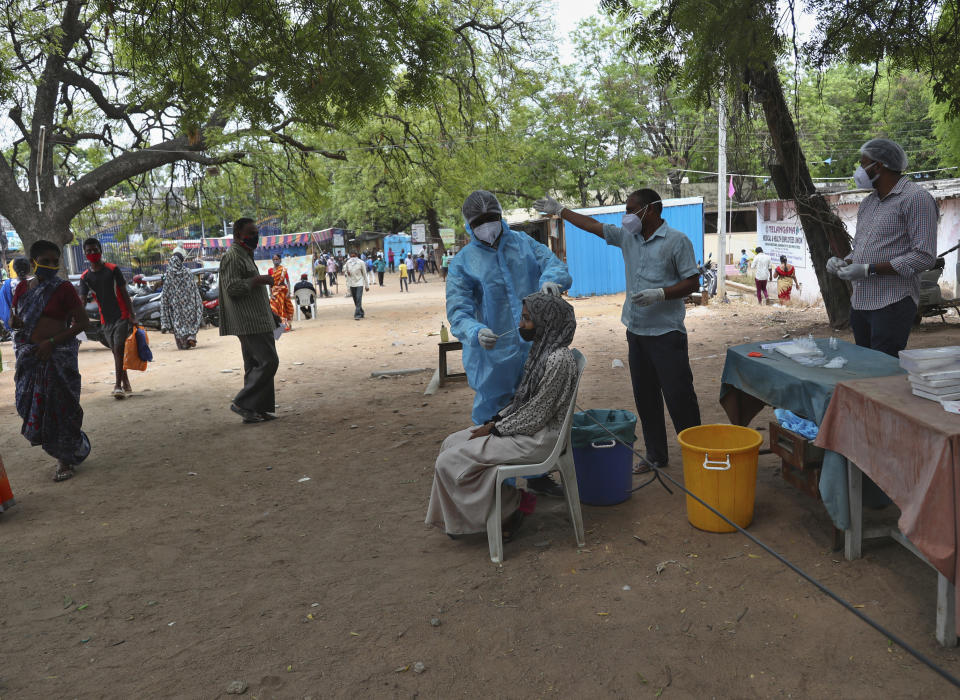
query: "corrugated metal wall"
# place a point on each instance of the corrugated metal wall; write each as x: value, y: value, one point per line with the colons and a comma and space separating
x: 597, y: 268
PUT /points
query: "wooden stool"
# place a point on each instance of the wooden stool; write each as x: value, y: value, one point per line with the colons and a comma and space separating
x: 444, y: 349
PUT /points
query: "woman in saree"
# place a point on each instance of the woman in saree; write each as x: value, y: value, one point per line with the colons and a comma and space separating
x: 280, y: 302
x: 181, y: 308
x: 47, y: 317
x: 786, y: 276
x: 522, y: 433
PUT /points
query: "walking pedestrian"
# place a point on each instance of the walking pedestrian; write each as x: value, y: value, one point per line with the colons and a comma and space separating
x: 411, y: 269
x: 404, y: 282
x: 320, y: 276
x: 245, y: 312
x: 181, y: 307
x: 761, y: 274
x: 444, y: 265
x: 661, y: 269
x: 786, y: 276
x: 280, y: 301
x: 332, y: 272
x: 117, y: 318
x: 355, y: 274
x: 47, y: 318
x: 381, y: 267
x: 895, y: 241
x: 421, y: 266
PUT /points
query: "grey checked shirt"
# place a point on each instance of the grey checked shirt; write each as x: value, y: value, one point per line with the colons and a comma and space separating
x: 244, y: 310
x: 662, y: 260
x: 900, y: 229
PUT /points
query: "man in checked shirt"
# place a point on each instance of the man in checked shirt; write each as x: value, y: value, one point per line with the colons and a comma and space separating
x: 895, y: 241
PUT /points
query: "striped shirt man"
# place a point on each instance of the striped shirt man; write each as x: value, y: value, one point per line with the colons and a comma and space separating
x: 244, y: 308
x: 900, y: 228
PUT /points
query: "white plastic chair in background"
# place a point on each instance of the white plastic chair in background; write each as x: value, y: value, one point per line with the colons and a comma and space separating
x: 305, y: 297
x: 560, y: 459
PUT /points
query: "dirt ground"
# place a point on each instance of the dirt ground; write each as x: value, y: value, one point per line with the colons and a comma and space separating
x: 189, y: 552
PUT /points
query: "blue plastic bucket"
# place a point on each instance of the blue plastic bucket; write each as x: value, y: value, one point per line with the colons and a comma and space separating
x: 604, y: 472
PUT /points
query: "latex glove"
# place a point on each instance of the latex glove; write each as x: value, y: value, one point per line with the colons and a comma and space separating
x: 854, y: 271
x: 487, y: 338
x: 552, y: 288
x: 548, y: 205
x: 834, y: 264
x: 648, y: 297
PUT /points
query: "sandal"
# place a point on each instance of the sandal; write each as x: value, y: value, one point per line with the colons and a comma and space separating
x: 511, y: 525
x: 119, y: 393
x: 64, y: 472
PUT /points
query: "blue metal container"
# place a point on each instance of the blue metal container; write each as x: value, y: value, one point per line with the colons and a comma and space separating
x: 604, y: 472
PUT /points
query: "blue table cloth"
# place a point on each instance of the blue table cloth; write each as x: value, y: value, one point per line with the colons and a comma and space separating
x: 778, y: 381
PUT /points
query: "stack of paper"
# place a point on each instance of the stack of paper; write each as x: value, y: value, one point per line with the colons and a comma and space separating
x: 934, y: 373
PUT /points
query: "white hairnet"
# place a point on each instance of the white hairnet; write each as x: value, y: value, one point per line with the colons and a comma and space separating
x: 887, y: 152
x: 480, y: 202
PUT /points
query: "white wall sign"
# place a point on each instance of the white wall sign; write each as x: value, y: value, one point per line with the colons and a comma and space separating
x: 419, y: 232
x: 784, y: 238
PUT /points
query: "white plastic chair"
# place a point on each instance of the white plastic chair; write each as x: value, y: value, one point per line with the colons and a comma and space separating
x: 560, y: 459
x: 305, y: 298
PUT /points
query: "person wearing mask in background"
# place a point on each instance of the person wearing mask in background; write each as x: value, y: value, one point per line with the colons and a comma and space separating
x: 245, y: 312
x: 48, y: 316
x: 404, y: 282
x: 19, y: 272
x: 895, y: 241
x: 181, y: 308
x: 391, y: 259
x: 332, y: 272
x: 661, y: 269
x: 486, y: 284
x: 355, y: 275
x: 761, y: 275
x: 381, y: 268
x: 304, y: 283
x: 320, y: 277
x: 444, y: 265
x: 117, y: 318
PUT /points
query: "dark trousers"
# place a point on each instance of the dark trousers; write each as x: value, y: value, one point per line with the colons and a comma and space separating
x: 357, y: 294
x: 380, y: 278
x: 660, y: 371
x: 420, y: 276
x: 886, y: 329
x: 761, y: 288
x: 322, y: 286
x: 333, y: 279
x: 260, y: 363
x: 404, y: 283
x: 392, y: 267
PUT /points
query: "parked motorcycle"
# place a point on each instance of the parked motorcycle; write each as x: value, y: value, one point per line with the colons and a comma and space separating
x: 210, y: 294
x: 708, y: 277
x: 932, y: 301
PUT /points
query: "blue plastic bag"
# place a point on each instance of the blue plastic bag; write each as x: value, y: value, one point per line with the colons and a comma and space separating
x: 143, y: 347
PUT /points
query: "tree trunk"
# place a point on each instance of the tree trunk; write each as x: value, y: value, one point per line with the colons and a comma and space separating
x: 825, y: 233
x: 676, y: 183
x: 433, y: 225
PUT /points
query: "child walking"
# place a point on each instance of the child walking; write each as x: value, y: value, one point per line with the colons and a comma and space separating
x: 404, y: 282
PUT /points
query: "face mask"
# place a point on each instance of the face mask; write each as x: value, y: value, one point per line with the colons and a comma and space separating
x: 44, y: 273
x: 487, y: 232
x: 94, y: 257
x: 527, y: 334
x: 633, y: 223
x: 862, y: 178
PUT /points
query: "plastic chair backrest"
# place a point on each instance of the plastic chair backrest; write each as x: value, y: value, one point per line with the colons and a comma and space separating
x: 304, y: 297
x: 564, y: 440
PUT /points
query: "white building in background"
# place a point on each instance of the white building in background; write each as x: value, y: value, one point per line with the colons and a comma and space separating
x: 779, y: 231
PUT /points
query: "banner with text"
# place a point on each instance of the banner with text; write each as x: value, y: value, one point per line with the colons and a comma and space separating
x: 784, y: 238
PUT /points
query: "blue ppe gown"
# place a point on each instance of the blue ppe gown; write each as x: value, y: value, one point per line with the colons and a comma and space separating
x: 485, y: 289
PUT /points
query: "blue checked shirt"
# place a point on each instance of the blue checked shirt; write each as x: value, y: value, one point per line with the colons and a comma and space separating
x: 900, y: 229
x: 662, y: 260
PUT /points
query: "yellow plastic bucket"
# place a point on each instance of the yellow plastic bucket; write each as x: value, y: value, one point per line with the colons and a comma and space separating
x: 720, y: 466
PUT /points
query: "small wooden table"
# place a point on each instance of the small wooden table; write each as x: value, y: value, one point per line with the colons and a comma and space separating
x: 444, y: 376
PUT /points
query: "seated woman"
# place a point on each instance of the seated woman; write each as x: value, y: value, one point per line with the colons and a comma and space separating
x: 47, y: 317
x: 523, y: 432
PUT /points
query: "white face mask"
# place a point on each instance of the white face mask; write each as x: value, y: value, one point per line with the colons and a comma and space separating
x: 862, y: 178
x: 633, y: 223
x: 488, y: 232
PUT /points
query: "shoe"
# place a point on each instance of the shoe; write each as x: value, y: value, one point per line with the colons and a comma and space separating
x: 118, y: 393
x: 646, y: 466
x: 268, y: 416
x: 248, y: 416
x: 545, y: 486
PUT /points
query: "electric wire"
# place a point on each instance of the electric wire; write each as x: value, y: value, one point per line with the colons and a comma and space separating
x: 659, y: 474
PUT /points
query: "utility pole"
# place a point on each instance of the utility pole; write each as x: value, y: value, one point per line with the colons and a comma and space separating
x: 722, y: 195
x: 223, y: 211
x: 203, y: 233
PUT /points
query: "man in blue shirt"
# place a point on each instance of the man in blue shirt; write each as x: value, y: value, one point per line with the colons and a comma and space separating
x: 661, y: 270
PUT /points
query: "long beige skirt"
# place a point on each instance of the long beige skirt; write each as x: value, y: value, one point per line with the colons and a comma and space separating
x: 463, y: 480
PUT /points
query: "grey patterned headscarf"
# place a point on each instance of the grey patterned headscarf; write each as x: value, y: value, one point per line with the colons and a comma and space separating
x: 556, y: 324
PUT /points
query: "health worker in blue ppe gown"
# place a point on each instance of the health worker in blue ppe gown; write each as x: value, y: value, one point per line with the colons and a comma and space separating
x: 486, y: 284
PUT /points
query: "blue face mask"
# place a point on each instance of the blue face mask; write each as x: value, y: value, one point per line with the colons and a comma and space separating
x: 44, y: 272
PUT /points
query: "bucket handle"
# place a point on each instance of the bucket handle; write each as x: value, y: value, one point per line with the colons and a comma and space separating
x: 603, y: 444
x: 707, y: 461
